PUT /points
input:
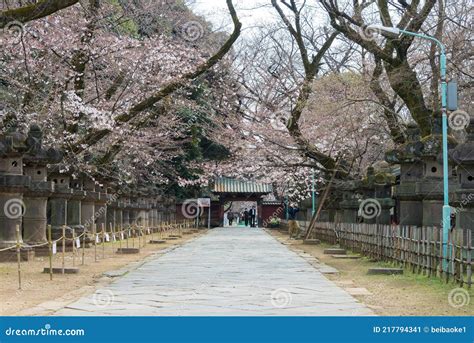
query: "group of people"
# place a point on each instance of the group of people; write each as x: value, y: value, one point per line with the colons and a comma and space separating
x: 248, y: 215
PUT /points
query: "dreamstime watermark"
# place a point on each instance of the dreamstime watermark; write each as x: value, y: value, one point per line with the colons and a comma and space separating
x: 278, y: 120
x: 103, y: 298
x: 14, y: 208
x: 191, y: 30
x: 368, y: 33
x: 281, y: 298
x: 459, y: 120
x: 370, y: 208
x: 275, y: 214
x: 458, y: 297
x: 455, y: 210
x: 15, y: 29
x: 190, y: 208
x: 45, y: 331
x: 103, y: 209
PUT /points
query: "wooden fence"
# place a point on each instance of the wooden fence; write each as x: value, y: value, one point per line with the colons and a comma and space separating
x: 417, y: 248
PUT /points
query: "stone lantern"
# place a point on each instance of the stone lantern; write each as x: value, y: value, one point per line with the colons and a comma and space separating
x: 112, y: 204
x: 350, y: 201
x: 430, y: 187
x: 57, y: 203
x: 74, y: 206
x: 133, y: 208
x: 12, y: 185
x: 100, y: 207
x: 463, y: 157
x: 126, y: 212
x: 36, y: 196
x: 407, y: 155
x: 160, y: 208
x: 88, y: 203
x: 377, y: 203
x: 120, y: 205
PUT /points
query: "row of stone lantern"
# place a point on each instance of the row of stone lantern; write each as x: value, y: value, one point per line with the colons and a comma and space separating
x: 417, y: 198
x: 369, y: 199
x: 31, y: 198
x: 420, y: 190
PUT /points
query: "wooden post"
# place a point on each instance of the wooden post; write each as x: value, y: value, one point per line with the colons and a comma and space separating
x: 120, y: 240
x: 95, y: 241
x: 73, y: 248
x: 50, y: 243
x: 112, y: 229
x: 103, y: 240
x: 18, y: 254
x: 468, y: 258
x: 138, y: 234
x: 128, y: 234
x: 83, y: 246
x: 64, y: 250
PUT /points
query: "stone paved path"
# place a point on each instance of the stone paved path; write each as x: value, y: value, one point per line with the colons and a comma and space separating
x: 228, y: 271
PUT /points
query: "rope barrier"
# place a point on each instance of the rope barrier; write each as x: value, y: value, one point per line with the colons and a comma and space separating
x: 133, y: 230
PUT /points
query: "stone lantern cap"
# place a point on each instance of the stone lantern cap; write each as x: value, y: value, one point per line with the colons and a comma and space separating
x: 12, y: 148
x: 12, y: 143
x: 61, y: 185
x: 36, y: 154
x: 464, y: 153
x: 409, y: 151
x: 433, y: 145
x: 77, y: 189
x: 381, y: 176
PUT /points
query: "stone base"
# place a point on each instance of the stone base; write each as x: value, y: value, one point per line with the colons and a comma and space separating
x: 128, y: 251
x: 335, y: 251
x: 311, y: 241
x: 384, y: 271
x: 157, y: 241
x: 11, y: 256
x: 171, y: 238
x: 346, y: 257
x: 68, y: 270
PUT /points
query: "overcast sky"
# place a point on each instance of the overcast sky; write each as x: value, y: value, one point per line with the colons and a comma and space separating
x: 251, y: 12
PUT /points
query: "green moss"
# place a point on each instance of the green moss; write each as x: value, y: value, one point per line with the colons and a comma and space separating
x: 129, y: 27
x: 439, y: 138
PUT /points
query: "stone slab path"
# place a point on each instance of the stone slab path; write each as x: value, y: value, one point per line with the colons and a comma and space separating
x: 227, y: 272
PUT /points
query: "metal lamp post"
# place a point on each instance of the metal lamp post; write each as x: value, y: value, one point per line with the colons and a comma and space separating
x: 446, y: 207
x: 313, y: 195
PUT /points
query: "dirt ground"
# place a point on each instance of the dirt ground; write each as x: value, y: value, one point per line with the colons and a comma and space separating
x: 37, y: 287
x: 391, y: 295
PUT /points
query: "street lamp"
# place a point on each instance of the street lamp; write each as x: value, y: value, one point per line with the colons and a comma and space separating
x: 446, y: 207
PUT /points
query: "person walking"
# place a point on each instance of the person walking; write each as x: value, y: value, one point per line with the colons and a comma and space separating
x: 246, y: 217
x: 252, y: 214
x: 293, y: 226
x: 231, y: 218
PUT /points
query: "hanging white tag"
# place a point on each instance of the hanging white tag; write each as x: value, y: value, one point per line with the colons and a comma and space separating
x: 113, y: 237
x: 97, y: 239
x: 149, y: 231
x: 54, y: 248
x: 121, y: 236
x: 107, y: 237
x: 78, y: 243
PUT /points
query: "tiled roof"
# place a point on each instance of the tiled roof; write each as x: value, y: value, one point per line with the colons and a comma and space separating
x: 228, y: 185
